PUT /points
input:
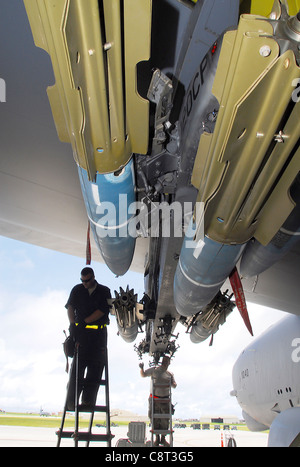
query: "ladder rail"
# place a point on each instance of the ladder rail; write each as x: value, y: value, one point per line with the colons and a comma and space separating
x: 90, y: 428
x: 60, y: 431
x: 167, y: 415
x: 76, y: 395
x: 107, y: 402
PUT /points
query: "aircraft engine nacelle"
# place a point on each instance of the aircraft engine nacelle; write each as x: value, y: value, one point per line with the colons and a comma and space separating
x: 266, y: 381
x: 252, y: 424
x: 285, y: 430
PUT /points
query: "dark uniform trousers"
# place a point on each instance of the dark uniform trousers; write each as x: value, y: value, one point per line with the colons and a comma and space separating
x: 91, y: 360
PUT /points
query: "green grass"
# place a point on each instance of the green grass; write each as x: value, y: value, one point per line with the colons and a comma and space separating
x: 34, y: 420
x: 45, y: 422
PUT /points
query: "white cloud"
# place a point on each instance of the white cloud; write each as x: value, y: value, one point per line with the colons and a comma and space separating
x: 17, y: 259
x: 31, y: 350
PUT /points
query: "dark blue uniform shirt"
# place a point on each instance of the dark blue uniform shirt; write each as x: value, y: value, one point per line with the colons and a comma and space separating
x: 85, y: 304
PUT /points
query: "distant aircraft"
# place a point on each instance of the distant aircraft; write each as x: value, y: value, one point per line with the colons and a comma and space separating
x: 266, y: 382
x: 43, y: 413
x: 183, y: 120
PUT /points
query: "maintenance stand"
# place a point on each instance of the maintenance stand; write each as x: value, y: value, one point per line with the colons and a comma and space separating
x: 87, y: 436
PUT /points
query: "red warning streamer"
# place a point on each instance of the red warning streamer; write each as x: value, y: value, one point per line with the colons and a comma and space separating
x: 88, y: 246
x: 238, y: 291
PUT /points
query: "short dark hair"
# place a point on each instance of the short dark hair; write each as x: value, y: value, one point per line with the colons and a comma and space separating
x: 87, y: 271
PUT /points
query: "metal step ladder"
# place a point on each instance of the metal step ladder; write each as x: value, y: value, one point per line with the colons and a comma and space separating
x: 167, y: 402
x: 87, y: 436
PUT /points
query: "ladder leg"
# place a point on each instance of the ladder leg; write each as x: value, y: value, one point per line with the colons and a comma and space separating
x: 152, y: 421
x: 90, y: 428
x: 59, y: 432
x: 69, y: 389
x: 107, y: 403
x: 170, y: 421
x: 76, y: 397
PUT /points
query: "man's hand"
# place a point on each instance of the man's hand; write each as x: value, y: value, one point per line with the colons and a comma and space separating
x: 76, y: 330
x: 95, y: 316
x: 143, y: 375
x: 72, y: 330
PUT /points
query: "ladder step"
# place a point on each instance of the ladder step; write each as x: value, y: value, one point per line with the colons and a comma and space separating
x: 162, y: 415
x: 93, y: 437
x: 92, y: 408
x: 85, y: 436
x: 86, y: 383
x: 162, y: 432
x: 65, y: 434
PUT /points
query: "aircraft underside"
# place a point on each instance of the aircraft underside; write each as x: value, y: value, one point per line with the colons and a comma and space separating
x: 186, y: 133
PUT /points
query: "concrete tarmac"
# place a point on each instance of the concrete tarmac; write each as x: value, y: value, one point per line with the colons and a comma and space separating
x: 14, y: 436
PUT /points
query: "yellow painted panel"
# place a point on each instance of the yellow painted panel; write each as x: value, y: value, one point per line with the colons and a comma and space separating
x: 294, y: 7
x: 264, y: 8
x: 96, y: 107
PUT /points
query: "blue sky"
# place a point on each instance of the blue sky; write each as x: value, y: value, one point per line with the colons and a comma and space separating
x: 35, y: 284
